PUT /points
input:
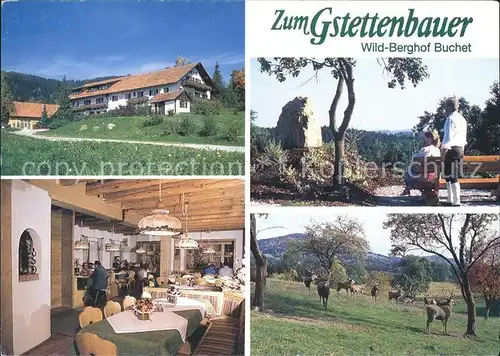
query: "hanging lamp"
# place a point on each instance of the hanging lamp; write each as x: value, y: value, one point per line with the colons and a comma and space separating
x: 186, y: 243
x: 209, y: 250
x: 112, y: 246
x: 159, y: 222
x: 83, y: 243
x: 140, y: 250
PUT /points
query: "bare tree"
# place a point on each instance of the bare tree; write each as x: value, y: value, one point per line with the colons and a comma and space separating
x: 466, y: 238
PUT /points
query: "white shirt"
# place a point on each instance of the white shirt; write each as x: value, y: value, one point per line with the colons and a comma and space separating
x: 428, y: 151
x: 455, y: 131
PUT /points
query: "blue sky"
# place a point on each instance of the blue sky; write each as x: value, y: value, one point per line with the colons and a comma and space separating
x: 91, y: 39
x: 377, y: 106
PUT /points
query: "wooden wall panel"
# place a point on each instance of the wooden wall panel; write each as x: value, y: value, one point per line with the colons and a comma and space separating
x: 55, y: 265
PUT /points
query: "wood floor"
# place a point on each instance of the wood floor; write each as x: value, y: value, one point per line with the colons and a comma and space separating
x: 57, y: 344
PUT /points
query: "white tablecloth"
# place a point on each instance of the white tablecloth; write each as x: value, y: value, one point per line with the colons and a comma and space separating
x: 127, y: 322
x: 184, y: 303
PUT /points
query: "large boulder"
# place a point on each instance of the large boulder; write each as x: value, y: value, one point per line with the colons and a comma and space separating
x: 297, y: 126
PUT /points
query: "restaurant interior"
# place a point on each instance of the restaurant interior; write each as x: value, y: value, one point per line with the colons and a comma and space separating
x: 108, y: 267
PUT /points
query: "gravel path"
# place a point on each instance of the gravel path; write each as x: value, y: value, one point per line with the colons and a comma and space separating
x: 389, y: 196
x: 240, y: 149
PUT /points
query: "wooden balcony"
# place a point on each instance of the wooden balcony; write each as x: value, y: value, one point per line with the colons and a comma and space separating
x: 90, y: 107
x: 191, y: 83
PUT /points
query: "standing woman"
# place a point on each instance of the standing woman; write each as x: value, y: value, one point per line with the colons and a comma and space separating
x: 454, y: 141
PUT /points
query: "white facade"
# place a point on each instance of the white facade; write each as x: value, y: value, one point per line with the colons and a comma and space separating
x: 31, y: 300
x: 115, y: 100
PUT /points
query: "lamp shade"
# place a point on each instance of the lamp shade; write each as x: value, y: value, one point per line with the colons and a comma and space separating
x: 81, y: 245
x: 160, y: 223
x: 140, y: 250
x: 111, y: 247
x: 185, y: 243
x: 209, y: 250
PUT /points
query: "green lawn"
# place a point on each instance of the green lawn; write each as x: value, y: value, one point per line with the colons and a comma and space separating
x: 32, y: 156
x: 131, y: 128
x: 295, y: 324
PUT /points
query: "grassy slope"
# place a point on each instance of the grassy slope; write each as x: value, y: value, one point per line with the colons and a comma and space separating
x: 295, y: 324
x: 130, y: 128
x: 106, y: 158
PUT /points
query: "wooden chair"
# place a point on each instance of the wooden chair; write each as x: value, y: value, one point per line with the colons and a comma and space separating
x: 91, y: 344
x: 128, y: 301
x: 112, y: 308
x: 469, y: 164
x: 89, y: 315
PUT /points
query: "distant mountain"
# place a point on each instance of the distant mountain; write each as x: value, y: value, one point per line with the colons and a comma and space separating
x: 27, y: 87
x: 395, y: 132
x: 274, y: 248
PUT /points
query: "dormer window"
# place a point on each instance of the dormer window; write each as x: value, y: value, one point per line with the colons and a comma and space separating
x: 153, y: 92
x: 166, y: 90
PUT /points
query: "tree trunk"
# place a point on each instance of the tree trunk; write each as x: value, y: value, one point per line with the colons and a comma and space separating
x: 471, y: 308
x: 339, y: 157
x: 488, y: 301
x: 260, y: 266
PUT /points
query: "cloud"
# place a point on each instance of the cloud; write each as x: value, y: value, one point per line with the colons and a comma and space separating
x: 227, y: 58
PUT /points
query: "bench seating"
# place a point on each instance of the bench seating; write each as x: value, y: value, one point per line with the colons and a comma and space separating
x: 470, y: 165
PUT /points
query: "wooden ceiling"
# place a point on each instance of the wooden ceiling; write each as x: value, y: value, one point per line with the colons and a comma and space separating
x: 213, y: 204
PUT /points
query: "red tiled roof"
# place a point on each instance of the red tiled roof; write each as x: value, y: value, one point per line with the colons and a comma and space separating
x: 158, y: 98
x: 33, y: 110
x: 138, y: 81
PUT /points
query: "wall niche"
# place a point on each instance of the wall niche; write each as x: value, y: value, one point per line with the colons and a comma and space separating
x: 28, y: 266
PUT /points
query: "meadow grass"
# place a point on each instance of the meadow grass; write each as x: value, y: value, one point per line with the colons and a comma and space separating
x: 132, y: 129
x: 32, y: 156
x: 294, y: 323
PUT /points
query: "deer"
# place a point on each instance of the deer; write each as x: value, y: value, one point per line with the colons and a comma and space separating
x: 323, y: 288
x: 309, y: 279
x: 429, y: 300
x: 345, y: 285
x: 442, y: 313
x: 375, y: 292
x: 395, y: 295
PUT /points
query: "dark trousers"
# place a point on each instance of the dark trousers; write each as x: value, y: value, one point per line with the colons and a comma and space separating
x: 452, y: 163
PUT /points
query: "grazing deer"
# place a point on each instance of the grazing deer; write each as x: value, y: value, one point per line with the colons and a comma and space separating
x: 375, y: 292
x: 308, y: 280
x: 440, y: 313
x: 323, y: 291
x: 395, y: 295
x: 345, y: 285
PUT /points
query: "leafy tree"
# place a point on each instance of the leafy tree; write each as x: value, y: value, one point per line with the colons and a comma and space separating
x: 236, y: 89
x: 37, y: 96
x: 467, y: 238
x: 218, y: 81
x: 357, y: 271
x: 399, y: 70
x: 6, y: 108
x: 44, y: 121
x: 414, y: 277
x: 181, y: 61
x: 337, y: 273
x: 382, y: 279
x: 485, y: 278
x: 345, y: 237
x: 64, y: 112
x: 486, y: 132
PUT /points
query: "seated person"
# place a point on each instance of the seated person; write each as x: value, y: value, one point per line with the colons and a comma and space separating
x: 430, y: 148
x: 85, y: 270
x: 210, y: 269
x: 98, y: 280
x: 226, y: 271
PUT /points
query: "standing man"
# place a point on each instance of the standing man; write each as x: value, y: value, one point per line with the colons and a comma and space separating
x: 454, y: 141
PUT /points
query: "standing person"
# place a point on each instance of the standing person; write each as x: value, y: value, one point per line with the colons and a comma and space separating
x: 454, y: 141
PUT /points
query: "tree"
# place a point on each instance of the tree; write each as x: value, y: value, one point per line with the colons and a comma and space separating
x: 44, y: 121
x: 236, y: 89
x: 487, y: 131
x: 64, y: 112
x: 414, y: 277
x: 181, y: 61
x: 37, y: 96
x: 218, y: 81
x: 382, y: 279
x: 345, y: 237
x: 337, y: 273
x: 399, y: 71
x: 260, y: 264
x: 467, y: 238
x: 6, y: 107
x: 485, y: 278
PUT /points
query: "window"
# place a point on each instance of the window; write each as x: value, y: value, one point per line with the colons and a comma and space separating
x: 27, y: 258
x: 153, y: 92
x: 86, y: 102
x: 140, y: 94
x: 114, y: 98
x: 135, y: 94
x: 99, y: 101
x: 184, y: 104
x: 128, y: 96
x: 166, y: 90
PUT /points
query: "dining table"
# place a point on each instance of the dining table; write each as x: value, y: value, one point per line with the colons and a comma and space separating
x: 164, y: 334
